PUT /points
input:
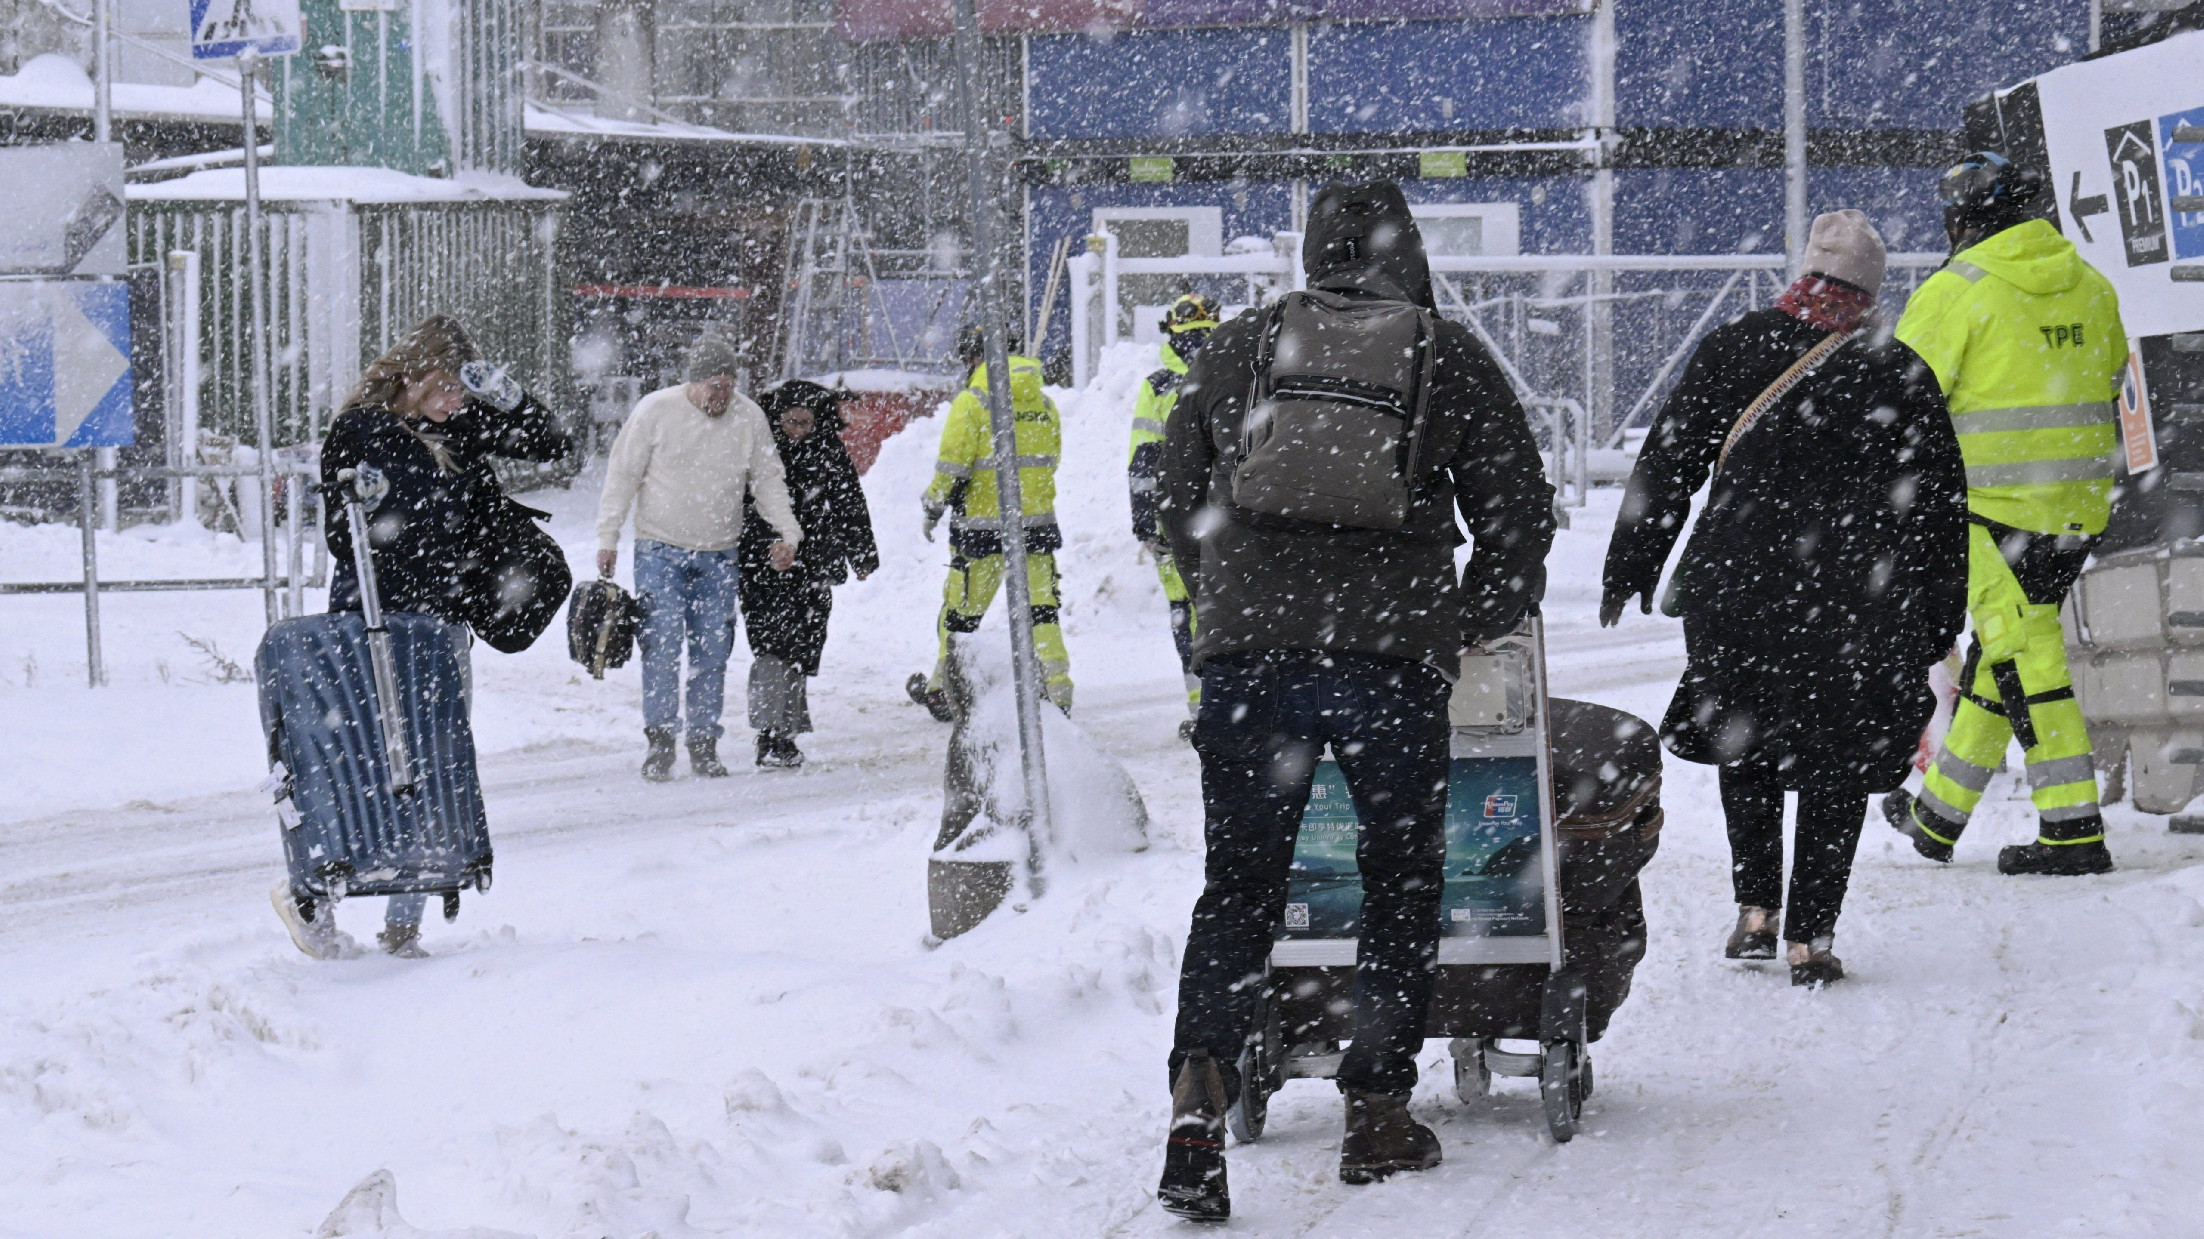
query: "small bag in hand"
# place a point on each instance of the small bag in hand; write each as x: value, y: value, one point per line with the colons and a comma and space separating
x: 601, y: 623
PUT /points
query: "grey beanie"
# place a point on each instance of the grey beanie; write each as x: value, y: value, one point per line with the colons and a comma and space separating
x: 711, y: 356
x: 1845, y: 246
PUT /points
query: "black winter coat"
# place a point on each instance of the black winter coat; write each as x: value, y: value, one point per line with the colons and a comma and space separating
x: 1829, y: 567
x: 786, y: 612
x: 431, y: 526
x: 1262, y: 585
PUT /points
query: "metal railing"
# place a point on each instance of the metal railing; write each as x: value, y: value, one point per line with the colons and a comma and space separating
x: 285, y: 594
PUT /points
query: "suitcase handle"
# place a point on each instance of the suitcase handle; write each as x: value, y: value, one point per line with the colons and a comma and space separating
x: 379, y: 657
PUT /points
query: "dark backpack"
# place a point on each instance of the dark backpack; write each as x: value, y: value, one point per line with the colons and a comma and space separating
x: 1337, y: 414
x: 600, y: 626
x: 511, y: 590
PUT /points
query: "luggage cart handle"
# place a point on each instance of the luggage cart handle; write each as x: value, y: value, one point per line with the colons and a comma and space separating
x: 381, y: 662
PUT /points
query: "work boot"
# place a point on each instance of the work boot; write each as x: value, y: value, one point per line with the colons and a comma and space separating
x: 1814, y: 964
x: 1382, y: 1138
x: 777, y: 751
x: 704, y: 757
x: 1754, y: 937
x: 403, y: 941
x: 319, y: 938
x: 2059, y: 860
x: 658, y: 763
x: 935, y: 700
x: 1193, y: 1158
x: 1904, y: 814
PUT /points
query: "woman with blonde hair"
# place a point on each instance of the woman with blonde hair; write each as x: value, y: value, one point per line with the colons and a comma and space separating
x: 420, y: 429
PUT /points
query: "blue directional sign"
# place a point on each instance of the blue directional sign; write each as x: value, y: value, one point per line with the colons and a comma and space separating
x: 65, y: 363
x: 221, y: 29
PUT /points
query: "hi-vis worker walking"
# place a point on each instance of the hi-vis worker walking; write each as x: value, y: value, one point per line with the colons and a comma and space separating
x: 964, y: 487
x: 1186, y: 328
x: 2025, y: 338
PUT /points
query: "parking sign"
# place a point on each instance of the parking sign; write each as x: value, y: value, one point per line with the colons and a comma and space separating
x: 222, y: 29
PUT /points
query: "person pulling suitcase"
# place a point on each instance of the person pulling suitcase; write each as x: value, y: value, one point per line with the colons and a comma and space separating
x: 408, y: 457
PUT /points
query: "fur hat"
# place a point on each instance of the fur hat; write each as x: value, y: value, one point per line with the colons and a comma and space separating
x: 1844, y: 246
x: 710, y: 357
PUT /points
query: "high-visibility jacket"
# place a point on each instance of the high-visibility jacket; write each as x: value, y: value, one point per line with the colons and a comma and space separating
x: 2026, y: 341
x: 1144, y: 464
x: 964, y: 468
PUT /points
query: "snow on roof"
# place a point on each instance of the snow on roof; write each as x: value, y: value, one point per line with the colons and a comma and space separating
x: 55, y: 82
x: 539, y: 120
x: 286, y: 183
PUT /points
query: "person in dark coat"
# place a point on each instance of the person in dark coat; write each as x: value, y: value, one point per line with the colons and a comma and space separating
x: 420, y: 430
x: 786, y: 612
x: 1826, y: 574
x: 1315, y: 634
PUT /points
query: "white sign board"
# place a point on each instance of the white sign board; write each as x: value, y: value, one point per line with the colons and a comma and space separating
x: 2125, y: 138
x: 222, y: 29
x: 61, y: 209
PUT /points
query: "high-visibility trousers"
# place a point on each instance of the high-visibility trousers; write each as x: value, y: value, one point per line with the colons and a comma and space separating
x: 1182, y: 627
x: 970, y: 590
x: 2016, y: 685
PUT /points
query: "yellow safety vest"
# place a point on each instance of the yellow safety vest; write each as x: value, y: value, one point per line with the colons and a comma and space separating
x: 2026, y: 341
x: 964, y: 469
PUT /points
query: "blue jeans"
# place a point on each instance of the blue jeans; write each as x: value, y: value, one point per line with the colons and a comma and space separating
x: 688, y: 599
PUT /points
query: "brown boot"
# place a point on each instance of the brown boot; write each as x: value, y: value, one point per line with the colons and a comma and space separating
x: 1193, y: 1158
x: 1382, y: 1138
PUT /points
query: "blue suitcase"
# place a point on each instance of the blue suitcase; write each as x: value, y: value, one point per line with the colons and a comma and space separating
x: 346, y: 829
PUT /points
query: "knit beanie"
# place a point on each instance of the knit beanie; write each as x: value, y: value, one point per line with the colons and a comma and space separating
x: 710, y: 357
x: 1844, y: 246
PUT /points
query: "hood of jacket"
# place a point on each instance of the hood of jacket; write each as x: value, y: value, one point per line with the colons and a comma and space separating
x: 1363, y: 238
x: 2033, y: 257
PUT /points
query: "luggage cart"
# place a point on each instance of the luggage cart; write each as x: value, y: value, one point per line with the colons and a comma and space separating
x: 1502, y: 972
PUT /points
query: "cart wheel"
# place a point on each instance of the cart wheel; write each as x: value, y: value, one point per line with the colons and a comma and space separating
x: 1472, y: 1079
x: 1561, y: 1088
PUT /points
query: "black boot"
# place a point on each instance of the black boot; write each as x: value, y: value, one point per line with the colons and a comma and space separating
x: 777, y: 751
x: 1903, y: 813
x: 2058, y: 860
x: 658, y: 763
x: 1193, y: 1158
x: 1815, y: 964
x: 935, y: 700
x: 1754, y: 937
x: 1382, y: 1139
x: 704, y: 758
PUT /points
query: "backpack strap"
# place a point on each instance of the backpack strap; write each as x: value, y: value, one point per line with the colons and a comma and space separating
x: 1776, y: 391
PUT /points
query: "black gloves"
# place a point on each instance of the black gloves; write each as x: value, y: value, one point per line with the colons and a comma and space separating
x: 1612, y: 602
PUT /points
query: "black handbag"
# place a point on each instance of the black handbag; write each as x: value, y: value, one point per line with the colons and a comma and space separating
x: 601, y: 623
x: 512, y: 589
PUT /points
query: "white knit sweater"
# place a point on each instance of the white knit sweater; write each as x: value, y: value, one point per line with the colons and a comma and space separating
x: 685, y: 474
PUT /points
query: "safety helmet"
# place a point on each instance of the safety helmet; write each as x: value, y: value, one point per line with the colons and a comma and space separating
x: 1987, y: 185
x: 1192, y: 312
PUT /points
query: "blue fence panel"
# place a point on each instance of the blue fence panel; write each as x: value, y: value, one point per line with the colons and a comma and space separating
x: 1369, y: 77
x: 1161, y: 83
x: 1715, y: 64
x: 1905, y: 65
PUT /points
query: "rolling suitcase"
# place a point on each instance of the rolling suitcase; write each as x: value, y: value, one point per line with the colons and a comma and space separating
x: 600, y: 626
x: 371, y: 757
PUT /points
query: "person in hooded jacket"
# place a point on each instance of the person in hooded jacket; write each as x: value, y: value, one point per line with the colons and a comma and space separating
x: 1320, y: 634
x: 786, y: 612
x: 1825, y: 575
x: 420, y: 429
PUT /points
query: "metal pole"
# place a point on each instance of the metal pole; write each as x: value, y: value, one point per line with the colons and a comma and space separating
x: 1794, y: 133
x: 183, y: 270
x: 1025, y: 662
x: 95, y: 667
x: 256, y: 283
x: 103, y: 95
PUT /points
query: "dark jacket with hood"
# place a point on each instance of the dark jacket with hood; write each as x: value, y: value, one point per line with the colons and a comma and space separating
x: 786, y: 612
x: 443, y: 508
x: 1829, y: 568
x: 1266, y: 584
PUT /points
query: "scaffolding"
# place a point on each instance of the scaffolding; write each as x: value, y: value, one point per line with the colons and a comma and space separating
x: 852, y: 304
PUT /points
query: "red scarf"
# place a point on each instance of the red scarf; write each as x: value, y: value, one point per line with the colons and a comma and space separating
x: 1826, y: 304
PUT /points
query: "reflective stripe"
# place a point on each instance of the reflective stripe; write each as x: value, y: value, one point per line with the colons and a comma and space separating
x: 1963, y: 772
x: 2033, y: 472
x: 1148, y: 424
x: 946, y: 469
x: 1966, y: 271
x: 2067, y: 814
x: 1024, y: 462
x: 1937, y: 805
x: 1030, y: 520
x: 2034, y: 417
x: 2062, y: 770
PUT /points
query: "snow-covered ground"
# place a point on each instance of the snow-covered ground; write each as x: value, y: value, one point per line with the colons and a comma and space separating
x: 708, y: 1008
